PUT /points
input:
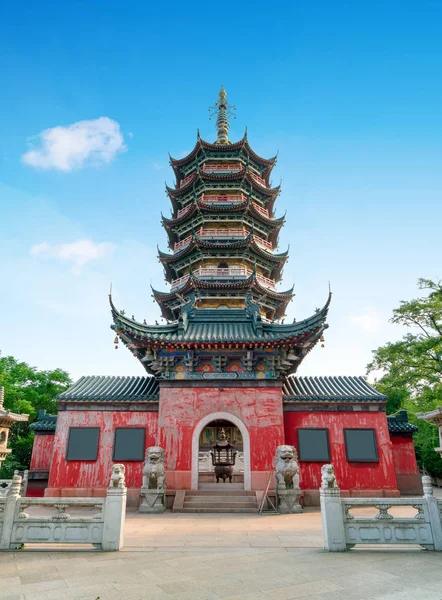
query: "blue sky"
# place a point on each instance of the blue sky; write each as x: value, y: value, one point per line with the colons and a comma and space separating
x: 350, y: 94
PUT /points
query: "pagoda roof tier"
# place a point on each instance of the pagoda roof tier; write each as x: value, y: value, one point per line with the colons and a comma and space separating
x: 249, y: 241
x: 202, y: 145
x: 8, y: 418
x: 194, y: 282
x: 175, y: 268
x: 246, y: 286
x: 200, y: 206
x: 241, y: 176
x: 220, y: 326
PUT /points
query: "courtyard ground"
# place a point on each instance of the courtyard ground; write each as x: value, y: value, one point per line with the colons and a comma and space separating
x: 228, y: 556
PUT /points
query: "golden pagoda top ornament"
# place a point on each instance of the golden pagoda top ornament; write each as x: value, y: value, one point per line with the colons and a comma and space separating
x: 223, y: 110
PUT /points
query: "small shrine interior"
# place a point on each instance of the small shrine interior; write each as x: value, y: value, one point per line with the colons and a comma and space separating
x: 210, y: 435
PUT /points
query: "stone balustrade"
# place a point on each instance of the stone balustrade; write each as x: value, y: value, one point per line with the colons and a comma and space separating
x: 5, y: 484
x: 49, y: 520
x: 342, y: 530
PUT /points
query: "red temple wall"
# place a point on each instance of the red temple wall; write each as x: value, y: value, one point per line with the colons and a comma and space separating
x: 357, y: 479
x: 404, y: 457
x: 181, y: 409
x: 42, y: 452
x: 91, y: 478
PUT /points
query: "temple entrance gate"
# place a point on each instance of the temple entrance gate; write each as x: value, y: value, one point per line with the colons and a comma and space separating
x: 229, y: 436
x: 205, y: 433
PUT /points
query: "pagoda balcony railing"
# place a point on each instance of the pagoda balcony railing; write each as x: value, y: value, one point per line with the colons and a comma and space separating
x: 222, y: 167
x: 258, y: 179
x: 260, y: 209
x: 239, y: 232
x: 224, y: 233
x: 186, y: 179
x: 183, y: 211
x: 264, y: 243
x: 223, y: 199
x: 223, y: 273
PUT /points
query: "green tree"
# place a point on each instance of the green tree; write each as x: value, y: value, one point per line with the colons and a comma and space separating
x: 27, y: 390
x: 412, y: 368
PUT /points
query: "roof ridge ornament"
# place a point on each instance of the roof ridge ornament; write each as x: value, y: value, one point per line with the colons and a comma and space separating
x: 223, y: 110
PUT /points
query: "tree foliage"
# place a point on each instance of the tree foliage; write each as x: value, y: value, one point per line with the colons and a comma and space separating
x: 412, y: 368
x: 27, y: 390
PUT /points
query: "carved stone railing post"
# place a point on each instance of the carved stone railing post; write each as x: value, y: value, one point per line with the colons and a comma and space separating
x: 12, y: 498
x: 433, y: 512
x: 115, y: 511
x: 331, y: 512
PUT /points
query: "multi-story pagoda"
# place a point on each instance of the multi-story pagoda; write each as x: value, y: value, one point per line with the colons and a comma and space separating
x: 223, y: 309
x: 223, y: 360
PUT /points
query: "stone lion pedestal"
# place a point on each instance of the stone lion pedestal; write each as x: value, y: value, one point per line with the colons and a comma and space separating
x: 153, y: 490
x: 288, y: 492
x: 152, y: 501
x: 288, y: 501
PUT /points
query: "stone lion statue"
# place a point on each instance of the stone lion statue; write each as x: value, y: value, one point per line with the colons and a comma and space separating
x: 286, y: 468
x: 117, y: 478
x: 328, y: 477
x: 154, y: 472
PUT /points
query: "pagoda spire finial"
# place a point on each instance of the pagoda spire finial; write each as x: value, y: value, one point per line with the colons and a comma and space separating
x: 223, y: 110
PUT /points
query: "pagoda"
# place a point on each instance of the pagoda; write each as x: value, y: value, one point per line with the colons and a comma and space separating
x: 224, y: 313
x: 223, y: 359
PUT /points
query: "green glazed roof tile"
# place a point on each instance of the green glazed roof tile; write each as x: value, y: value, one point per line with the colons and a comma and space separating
x: 330, y: 389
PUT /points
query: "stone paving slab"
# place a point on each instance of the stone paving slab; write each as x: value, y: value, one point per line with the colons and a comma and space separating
x: 281, y: 574
x: 229, y: 557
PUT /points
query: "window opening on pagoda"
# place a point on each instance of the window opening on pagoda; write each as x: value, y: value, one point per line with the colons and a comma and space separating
x: 223, y: 265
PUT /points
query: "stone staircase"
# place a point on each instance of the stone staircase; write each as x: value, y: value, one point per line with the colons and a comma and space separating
x: 208, y: 501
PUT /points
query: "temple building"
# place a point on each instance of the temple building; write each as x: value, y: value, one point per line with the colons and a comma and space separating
x: 224, y: 359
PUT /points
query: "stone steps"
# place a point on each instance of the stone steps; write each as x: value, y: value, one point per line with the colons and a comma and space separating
x: 218, y: 510
x: 229, y: 501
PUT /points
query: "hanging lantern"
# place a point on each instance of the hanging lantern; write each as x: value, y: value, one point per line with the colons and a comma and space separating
x: 322, y: 338
x: 116, y: 342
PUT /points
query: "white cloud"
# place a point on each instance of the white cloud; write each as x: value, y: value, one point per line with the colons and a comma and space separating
x: 93, y: 142
x: 157, y: 166
x: 369, y: 322
x: 78, y: 253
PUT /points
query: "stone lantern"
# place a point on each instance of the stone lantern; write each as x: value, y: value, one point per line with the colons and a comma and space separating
x: 7, y: 419
x: 223, y: 455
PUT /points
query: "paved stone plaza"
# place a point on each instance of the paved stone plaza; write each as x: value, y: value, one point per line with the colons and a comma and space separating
x: 234, y: 557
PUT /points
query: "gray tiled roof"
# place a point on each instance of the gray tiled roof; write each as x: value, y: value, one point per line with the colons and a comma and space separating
x: 139, y: 389
x: 112, y: 389
x: 399, y: 423
x: 44, y: 422
x: 330, y: 389
x: 210, y: 325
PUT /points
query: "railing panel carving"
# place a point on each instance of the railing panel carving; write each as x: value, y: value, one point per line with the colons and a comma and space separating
x: 343, y: 530
x: 47, y: 520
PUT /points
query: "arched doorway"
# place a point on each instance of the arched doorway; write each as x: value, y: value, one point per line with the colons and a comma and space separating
x: 206, y: 429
